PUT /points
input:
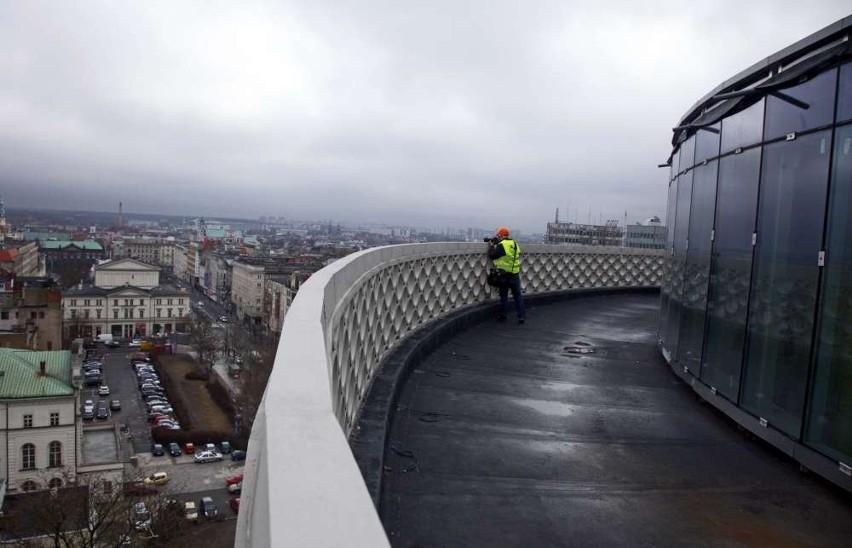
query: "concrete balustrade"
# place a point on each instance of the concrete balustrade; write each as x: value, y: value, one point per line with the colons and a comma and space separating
x: 302, y: 486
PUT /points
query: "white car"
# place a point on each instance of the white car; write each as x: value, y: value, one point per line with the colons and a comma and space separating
x: 141, y: 517
x: 208, y: 456
x: 135, y: 343
x: 103, y: 390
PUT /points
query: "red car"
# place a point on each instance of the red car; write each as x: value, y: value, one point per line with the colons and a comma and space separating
x: 235, y: 505
x: 236, y: 478
x: 189, y: 448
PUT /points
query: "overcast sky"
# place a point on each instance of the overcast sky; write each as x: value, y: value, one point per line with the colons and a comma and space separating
x: 432, y: 113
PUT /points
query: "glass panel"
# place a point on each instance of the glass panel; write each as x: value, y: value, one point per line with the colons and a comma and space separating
x: 687, y: 153
x: 697, y: 271
x: 783, y: 117
x: 665, y: 287
x: 727, y: 299
x: 790, y: 218
x: 830, y: 422
x: 844, y: 100
x: 684, y: 195
x: 707, y: 145
x: 743, y: 128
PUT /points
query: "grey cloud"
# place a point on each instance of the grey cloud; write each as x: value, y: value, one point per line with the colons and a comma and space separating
x: 441, y: 113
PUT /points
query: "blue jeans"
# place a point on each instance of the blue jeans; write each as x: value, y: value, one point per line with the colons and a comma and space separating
x: 513, y: 283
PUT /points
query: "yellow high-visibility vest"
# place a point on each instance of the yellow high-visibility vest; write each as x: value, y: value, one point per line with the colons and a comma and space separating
x: 511, y: 261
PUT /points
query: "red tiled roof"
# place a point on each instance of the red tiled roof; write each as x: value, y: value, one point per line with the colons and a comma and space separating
x: 8, y: 255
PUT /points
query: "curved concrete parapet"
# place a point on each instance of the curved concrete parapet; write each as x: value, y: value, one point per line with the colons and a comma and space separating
x: 302, y: 486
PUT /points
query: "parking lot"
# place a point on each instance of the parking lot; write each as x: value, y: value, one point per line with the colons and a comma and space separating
x: 121, y: 379
x: 188, y: 479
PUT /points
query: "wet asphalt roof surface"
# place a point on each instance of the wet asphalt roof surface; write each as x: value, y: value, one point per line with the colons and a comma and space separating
x: 504, y: 438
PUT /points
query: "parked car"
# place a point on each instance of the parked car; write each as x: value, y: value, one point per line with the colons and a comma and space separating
x: 165, y: 409
x: 115, y: 405
x: 171, y: 425
x: 226, y: 447
x: 191, y: 511
x: 157, y: 478
x: 135, y: 343
x: 141, y: 517
x: 93, y: 380
x: 208, y: 507
x: 138, y: 489
x: 174, y: 449
x: 235, y: 489
x: 223, y: 319
x: 236, y: 478
x: 89, y: 413
x: 235, y: 505
x: 103, y: 390
x: 238, y: 454
x: 103, y: 411
x: 208, y: 456
x: 112, y: 344
x: 152, y: 416
x: 189, y: 448
x: 157, y: 450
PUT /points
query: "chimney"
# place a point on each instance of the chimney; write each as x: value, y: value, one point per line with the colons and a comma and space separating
x: 42, y: 368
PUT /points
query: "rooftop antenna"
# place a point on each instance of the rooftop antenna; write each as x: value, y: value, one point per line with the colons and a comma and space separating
x: 557, y: 215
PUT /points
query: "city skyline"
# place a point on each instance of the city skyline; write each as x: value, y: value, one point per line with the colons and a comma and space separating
x: 438, y: 115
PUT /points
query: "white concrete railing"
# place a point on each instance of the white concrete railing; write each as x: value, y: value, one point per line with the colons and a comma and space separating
x: 302, y: 486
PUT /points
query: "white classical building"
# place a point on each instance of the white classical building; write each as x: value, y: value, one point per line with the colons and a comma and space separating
x: 38, y: 445
x: 126, y: 300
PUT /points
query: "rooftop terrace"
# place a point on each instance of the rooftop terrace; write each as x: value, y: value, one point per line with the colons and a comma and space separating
x: 572, y: 430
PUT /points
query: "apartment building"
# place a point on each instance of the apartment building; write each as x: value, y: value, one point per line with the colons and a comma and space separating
x: 38, y: 448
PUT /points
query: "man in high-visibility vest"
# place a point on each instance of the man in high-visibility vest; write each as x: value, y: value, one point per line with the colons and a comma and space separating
x: 506, y: 254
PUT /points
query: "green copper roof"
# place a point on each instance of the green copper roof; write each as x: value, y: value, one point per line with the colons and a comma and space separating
x: 30, y: 235
x: 20, y: 375
x: 59, y: 244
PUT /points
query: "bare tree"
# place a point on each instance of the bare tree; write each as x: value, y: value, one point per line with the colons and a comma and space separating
x: 91, y: 511
x: 205, y: 342
x: 255, y: 374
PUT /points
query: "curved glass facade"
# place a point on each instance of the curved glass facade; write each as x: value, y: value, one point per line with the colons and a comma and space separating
x: 756, y: 303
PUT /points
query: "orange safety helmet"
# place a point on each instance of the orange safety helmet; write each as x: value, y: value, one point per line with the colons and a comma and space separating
x: 503, y: 232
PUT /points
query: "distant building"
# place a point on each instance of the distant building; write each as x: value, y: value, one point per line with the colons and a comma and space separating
x: 38, y: 448
x: 30, y: 313
x: 609, y: 234
x: 126, y: 300
x: 22, y: 260
x: 148, y: 250
x: 247, y: 290
x: 650, y: 235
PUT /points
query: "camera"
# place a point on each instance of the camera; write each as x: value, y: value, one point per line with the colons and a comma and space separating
x: 492, y: 241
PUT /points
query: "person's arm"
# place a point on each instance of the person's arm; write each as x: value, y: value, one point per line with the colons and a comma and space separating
x: 495, y: 251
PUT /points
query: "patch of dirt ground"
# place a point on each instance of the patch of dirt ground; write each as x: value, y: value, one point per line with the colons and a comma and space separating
x: 204, y: 413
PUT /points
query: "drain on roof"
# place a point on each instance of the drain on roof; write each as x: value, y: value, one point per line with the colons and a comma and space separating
x: 578, y: 350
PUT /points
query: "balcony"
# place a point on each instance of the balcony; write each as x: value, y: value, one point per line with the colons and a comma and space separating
x: 465, y: 432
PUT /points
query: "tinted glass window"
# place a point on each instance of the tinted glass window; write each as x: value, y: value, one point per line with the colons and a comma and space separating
x: 665, y: 286
x: 687, y: 153
x: 696, y: 275
x: 783, y: 292
x: 844, y: 99
x: 684, y: 196
x: 707, y: 143
x: 783, y: 117
x: 743, y: 128
x: 830, y: 421
x: 727, y: 299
